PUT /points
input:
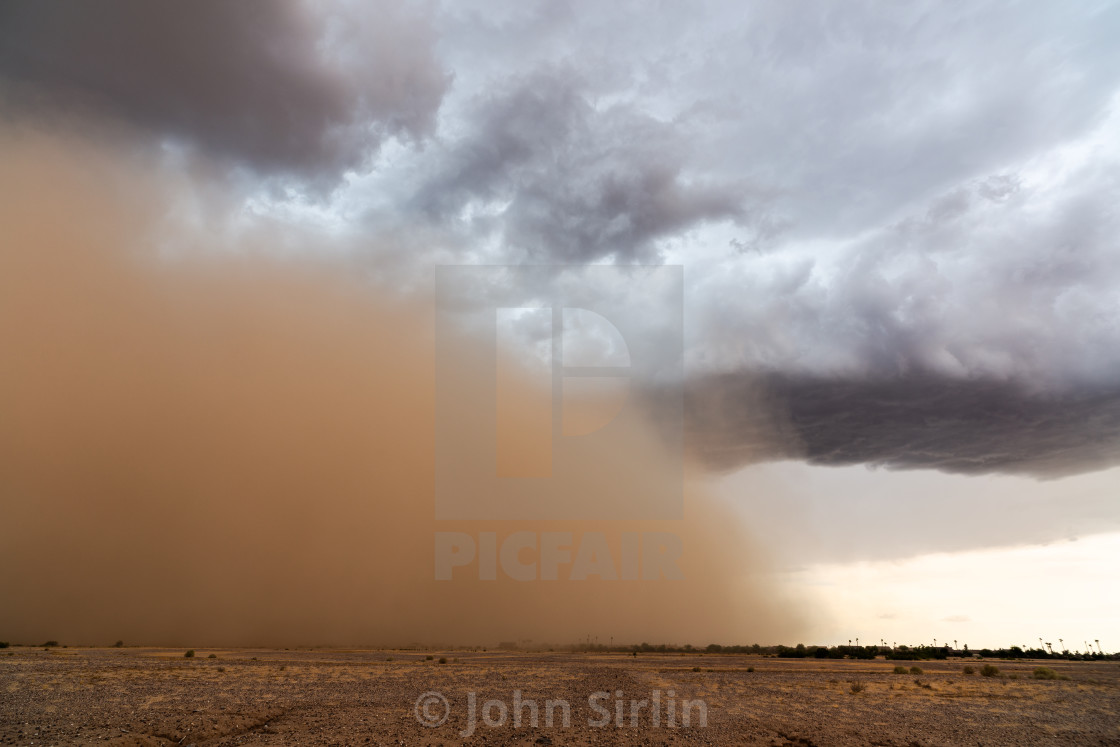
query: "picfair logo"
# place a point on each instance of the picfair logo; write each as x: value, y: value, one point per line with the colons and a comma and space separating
x: 536, y: 400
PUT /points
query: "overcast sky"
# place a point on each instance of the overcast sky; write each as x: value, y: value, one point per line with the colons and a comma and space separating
x: 898, y: 223
x: 854, y: 190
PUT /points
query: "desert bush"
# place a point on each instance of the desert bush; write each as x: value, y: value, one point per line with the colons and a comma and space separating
x: 1013, y: 676
x: 212, y: 656
x: 968, y: 670
x: 916, y: 670
x: 696, y: 669
x: 901, y: 670
x: 1045, y: 673
x: 118, y: 644
x: 221, y: 669
x: 429, y: 657
x: 750, y: 669
x: 4, y: 644
x: 189, y: 654
x: 856, y: 686
x: 988, y: 671
x: 443, y: 660
x: 389, y: 659
x: 49, y: 644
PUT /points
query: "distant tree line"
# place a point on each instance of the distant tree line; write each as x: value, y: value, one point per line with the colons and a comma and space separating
x: 802, y: 651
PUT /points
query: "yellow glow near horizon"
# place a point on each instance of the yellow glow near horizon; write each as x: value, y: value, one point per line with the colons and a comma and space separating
x: 985, y: 598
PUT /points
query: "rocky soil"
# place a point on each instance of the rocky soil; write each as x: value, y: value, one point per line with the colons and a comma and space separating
x: 138, y: 696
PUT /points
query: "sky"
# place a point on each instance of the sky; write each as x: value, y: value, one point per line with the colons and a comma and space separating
x: 899, y: 314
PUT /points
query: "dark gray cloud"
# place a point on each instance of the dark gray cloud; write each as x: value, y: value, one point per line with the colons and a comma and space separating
x: 267, y: 84
x: 913, y: 422
x: 563, y: 179
x: 978, y: 334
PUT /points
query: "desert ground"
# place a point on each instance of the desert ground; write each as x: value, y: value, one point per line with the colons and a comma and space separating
x: 145, y: 696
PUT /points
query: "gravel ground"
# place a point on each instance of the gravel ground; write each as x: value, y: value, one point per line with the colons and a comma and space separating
x: 138, y: 696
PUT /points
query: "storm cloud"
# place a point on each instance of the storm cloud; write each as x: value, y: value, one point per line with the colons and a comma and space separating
x: 271, y: 85
x: 573, y: 183
x: 913, y: 422
x: 898, y: 225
